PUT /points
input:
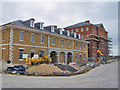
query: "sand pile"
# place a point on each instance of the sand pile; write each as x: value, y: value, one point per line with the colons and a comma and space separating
x: 44, y: 68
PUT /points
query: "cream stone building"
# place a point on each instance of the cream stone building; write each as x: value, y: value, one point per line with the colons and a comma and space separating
x: 27, y: 37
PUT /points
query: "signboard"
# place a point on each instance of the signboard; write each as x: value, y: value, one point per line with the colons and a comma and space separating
x: 35, y: 56
x: 25, y: 55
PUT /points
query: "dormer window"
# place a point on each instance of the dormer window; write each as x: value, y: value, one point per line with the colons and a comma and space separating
x: 68, y: 33
x: 74, y: 35
x: 31, y: 23
x: 41, y: 25
x: 60, y: 31
x: 52, y: 28
x: 79, y: 36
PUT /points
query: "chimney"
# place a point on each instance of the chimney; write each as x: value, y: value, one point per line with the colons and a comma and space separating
x: 88, y: 21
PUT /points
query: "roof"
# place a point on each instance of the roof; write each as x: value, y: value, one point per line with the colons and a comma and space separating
x: 78, y: 25
x: 23, y: 24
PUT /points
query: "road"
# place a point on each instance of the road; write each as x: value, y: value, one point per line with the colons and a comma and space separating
x: 105, y: 76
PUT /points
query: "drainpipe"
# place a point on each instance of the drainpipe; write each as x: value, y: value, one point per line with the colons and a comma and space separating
x: 11, y: 46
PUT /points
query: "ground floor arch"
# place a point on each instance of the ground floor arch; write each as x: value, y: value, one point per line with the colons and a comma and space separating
x: 53, y: 56
x: 69, y: 57
x: 62, y: 57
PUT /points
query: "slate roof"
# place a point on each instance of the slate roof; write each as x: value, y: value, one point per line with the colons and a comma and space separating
x: 78, y: 25
x: 82, y: 24
x: 22, y: 23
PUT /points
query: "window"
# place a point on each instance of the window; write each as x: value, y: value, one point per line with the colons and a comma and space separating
x: 81, y: 29
x: 52, y: 28
x: 62, y: 43
x: 32, y: 38
x: 87, y: 35
x: 71, y: 30
x: 76, y: 45
x: 21, y: 36
x: 79, y: 36
x: 21, y: 51
x: 69, y: 44
x: 87, y: 28
x: 68, y: 33
x: 41, y: 25
x: 84, y: 46
x: 41, y: 53
x: 76, y: 56
x: 82, y: 37
x: 53, y: 41
x: 77, y: 30
x: 3, y: 33
x: 60, y: 31
x: 84, y: 56
x: 31, y: 23
x: 75, y: 35
x: 80, y: 45
x: 42, y: 39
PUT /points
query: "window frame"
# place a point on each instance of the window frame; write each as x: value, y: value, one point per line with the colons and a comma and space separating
x: 72, y: 30
x: 42, y: 39
x: 87, y: 28
x: 76, y: 29
x: 21, y: 59
x: 53, y: 40
x: 62, y: 43
x: 82, y: 29
x: 33, y: 37
x: 22, y: 36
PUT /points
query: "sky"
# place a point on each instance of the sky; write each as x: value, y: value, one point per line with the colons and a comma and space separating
x: 63, y: 14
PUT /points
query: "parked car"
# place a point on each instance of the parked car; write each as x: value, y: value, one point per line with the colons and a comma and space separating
x: 91, y: 65
x: 18, y: 69
x: 9, y: 70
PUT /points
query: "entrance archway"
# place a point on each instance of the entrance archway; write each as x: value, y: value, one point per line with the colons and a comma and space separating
x: 69, y: 57
x: 53, y: 55
x: 62, y: 57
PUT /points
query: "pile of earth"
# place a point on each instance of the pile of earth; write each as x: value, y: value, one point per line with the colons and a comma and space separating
x: 44, y: 69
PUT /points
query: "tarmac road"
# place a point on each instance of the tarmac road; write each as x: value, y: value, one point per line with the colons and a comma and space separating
x: 105, y: 76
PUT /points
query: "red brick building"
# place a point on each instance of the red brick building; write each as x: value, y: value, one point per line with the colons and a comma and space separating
x: 95, y: 34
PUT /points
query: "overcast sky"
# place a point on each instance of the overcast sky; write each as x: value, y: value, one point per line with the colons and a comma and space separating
x: 63, y: 14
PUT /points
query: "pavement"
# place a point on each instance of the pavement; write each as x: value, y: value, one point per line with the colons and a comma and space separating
x: 104, y: 76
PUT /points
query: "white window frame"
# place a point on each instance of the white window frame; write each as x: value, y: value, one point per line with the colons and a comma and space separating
x: 19, y: 54
x: 81, y: 29
x: 42, y: 39
x: 79, y: 36
x: 60, y: 31
x: 62, y: 43
x: 33, y: 38
x: 76, y: 29
x: 75, y: 35
x: 52, y: 28
x: 68, y: 33
x: 22, y: 35
x: 31, y: 23
x: 53, y: 40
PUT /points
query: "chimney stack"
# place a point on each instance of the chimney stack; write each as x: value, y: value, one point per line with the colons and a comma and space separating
x: 87, y: 21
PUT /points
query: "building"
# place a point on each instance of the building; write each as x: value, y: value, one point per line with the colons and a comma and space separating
x: 27, y: 37
x: 95, y: 34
